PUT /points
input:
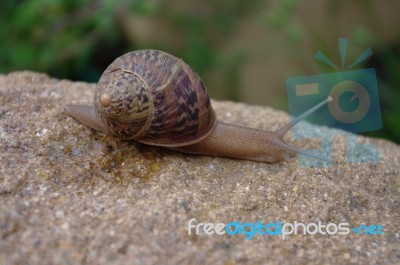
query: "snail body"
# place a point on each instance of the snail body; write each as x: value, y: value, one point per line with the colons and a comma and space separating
x: 155, y: 98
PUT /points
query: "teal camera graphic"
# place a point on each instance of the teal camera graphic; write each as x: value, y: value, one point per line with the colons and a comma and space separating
x: 354, y: 108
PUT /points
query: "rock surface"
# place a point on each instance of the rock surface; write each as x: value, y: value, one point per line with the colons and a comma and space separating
x: 70, y: 195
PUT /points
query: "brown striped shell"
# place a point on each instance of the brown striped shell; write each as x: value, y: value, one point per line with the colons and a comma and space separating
x: 154, y: 98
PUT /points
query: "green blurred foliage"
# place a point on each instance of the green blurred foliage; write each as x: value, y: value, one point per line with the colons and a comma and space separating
x: 55, y: 36
x: 77, y: 39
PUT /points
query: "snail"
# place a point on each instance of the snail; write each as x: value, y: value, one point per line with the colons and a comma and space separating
x: 155, y: 98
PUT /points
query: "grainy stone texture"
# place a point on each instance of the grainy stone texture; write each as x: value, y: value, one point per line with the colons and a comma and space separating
x: 70, y: 195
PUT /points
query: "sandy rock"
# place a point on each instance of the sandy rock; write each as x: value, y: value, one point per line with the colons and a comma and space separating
x: 70, y: 195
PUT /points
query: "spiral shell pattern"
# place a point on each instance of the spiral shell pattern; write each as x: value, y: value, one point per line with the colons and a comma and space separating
x: 154, y: 98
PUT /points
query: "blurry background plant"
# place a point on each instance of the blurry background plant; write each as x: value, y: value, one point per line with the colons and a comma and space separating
x: 243, y: 50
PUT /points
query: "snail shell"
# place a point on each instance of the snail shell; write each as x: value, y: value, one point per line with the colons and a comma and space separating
x: 154, y: 98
